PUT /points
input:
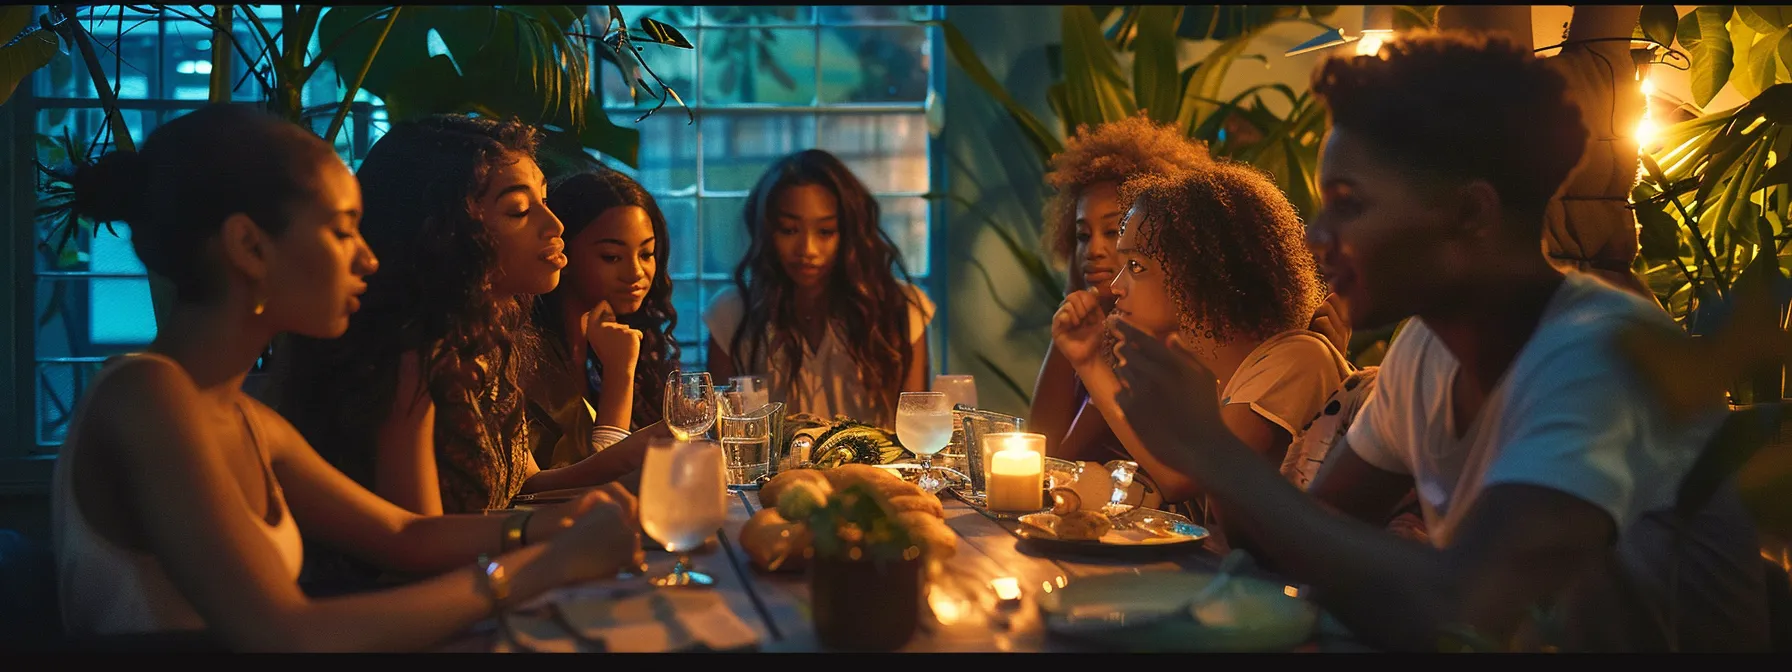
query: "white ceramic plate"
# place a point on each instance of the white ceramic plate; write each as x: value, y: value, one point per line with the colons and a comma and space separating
x: 1151, y: 528
x: 1247, y: 614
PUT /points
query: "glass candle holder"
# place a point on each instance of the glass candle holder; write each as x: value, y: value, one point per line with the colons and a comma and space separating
x: 1016, y: 464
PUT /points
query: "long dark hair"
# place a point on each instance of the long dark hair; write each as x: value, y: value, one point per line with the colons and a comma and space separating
x: 420, y: 185
x: 864, y: 294
x: 579, y: 200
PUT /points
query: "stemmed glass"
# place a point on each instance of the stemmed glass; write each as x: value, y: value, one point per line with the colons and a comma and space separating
x: 924, y: 423
x: 683, y: 501
x: 690, y: 404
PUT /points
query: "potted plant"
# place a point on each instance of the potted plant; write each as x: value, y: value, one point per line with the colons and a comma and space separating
x: 865, y: 568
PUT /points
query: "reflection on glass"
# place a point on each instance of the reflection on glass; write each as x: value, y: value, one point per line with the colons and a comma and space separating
x: 739, y: 146
x: 880, y: 65
x: 758, y: 66
x: 905, y: 220
x: 683, y: 501
x: 756, y: 14
x: 887, y: 151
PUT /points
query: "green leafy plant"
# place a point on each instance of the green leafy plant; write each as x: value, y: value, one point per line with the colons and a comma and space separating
x: 851, y: 525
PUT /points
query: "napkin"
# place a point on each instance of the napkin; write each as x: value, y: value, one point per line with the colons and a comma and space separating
x: 630, y: 619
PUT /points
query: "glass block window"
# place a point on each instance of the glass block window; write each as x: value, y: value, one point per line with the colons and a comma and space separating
x: 766, y: 81
x: 92, y: 297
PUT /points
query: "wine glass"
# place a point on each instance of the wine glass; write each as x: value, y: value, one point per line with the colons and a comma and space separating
x: 690, y: 404
x: 683, y: 501
x: 924, y: 423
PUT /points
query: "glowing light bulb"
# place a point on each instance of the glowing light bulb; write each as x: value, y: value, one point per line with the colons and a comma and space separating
x: 1646, y: 131
x: 1648, y: 87
x: 1370, y: 44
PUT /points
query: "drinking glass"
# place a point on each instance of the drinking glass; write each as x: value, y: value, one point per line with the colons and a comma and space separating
x: 752, y: 390
x: 682, y: 502
x: 924, y: 423
x: 690, y: 404
x: 746, y: 434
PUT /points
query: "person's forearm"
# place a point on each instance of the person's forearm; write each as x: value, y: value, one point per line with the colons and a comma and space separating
x: 1054, y: 400
x: 603, y: 467
x: 414, y: 617
x: 426, y: 545
x: 1173, y: 485
x: 1390, y: 592
x: 617, y: 403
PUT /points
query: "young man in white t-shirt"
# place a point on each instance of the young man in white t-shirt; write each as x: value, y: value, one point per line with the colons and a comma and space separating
x: 1544, y: 468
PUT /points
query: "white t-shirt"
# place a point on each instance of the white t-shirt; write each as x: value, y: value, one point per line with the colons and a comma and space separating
x: 1569, y: 415
x: 1287, y: 378
x: 828, y: 382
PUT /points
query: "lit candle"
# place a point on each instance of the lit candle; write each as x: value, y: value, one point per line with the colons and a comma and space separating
x: 1016, y: 472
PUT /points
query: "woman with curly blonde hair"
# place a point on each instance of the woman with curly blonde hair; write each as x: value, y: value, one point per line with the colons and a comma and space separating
x: 1216, y: 254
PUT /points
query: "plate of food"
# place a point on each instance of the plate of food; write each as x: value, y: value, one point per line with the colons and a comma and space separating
x: 1095, y: 531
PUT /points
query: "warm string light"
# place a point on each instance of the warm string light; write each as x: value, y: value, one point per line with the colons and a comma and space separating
x: 1646, y: 129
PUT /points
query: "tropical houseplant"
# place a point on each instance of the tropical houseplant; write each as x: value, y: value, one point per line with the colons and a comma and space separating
x: 531, y: 62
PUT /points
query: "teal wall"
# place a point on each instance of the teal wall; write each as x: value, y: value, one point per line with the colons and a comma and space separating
x: 988, y: 163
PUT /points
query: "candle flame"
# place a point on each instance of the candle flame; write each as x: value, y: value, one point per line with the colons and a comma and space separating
x: 1007, y: 588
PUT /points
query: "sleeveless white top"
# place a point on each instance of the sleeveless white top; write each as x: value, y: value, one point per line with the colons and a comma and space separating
x: 108, y: 589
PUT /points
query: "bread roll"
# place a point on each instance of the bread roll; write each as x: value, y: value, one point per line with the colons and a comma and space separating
x: 769, y: 492
x: 775, y: 544
x: 930, y: 533
x: 920, y: 501
x: 1083, y: 526
x: 853, y: 474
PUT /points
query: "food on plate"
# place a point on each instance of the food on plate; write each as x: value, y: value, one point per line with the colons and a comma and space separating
x: 1082, y: 525
x: 851, y: 474
x: 918, y: 501
x: 801, y: 499
x: 773, y: 543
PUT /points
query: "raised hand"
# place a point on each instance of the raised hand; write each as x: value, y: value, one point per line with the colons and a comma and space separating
x: 1332, y: 322
x: 616, y: 344
x: 1077, y: 328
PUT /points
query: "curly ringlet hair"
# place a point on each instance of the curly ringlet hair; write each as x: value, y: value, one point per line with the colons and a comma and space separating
x: 193, y: 173
x: 1232, y: 250
x: 1461, y: 106
x: 420, y: 185
x: 579, y: 200
x: 866, y: 297
x: 1110, y: 152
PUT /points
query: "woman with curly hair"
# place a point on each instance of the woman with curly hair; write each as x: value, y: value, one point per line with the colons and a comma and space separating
x: 1082, y: 223
x: 421, y: 399
x: 1217, y: 255
x: 607, y: 329
x: 1082, y: 226
x: 817, y: 305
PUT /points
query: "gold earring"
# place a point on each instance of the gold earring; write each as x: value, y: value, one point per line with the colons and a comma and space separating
x: 261, y: 306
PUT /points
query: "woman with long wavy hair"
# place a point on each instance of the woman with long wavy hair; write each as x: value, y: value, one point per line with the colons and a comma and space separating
x: 421, y: 399
x: 817, y: 305
x: 607, y: 329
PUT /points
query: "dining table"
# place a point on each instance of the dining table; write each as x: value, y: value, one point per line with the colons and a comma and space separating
x: 748, y: 609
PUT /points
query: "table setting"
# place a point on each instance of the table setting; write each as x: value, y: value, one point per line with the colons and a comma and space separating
x: 955, y: 532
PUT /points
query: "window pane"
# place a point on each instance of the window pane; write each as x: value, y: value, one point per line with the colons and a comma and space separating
x: 873, y: 65
x: 133, y: 41
x: 681, y: 227
x: 724, y: 237
x: 874, y: 13
x: 758, y: 66
x: 687, y: 299
x: 668, y: 156
x: 738, y: 147
x: 887, y: 151
x: 756, y: 15
x: 677, y: 68
x: 905, y: 220
x: 680, y: 16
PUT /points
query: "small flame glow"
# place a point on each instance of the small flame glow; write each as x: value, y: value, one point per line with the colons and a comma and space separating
x: 1006, y: 587
x: 1370, y: 43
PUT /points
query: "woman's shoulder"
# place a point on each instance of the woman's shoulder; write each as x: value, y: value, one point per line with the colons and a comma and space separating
x: 921, y: 301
